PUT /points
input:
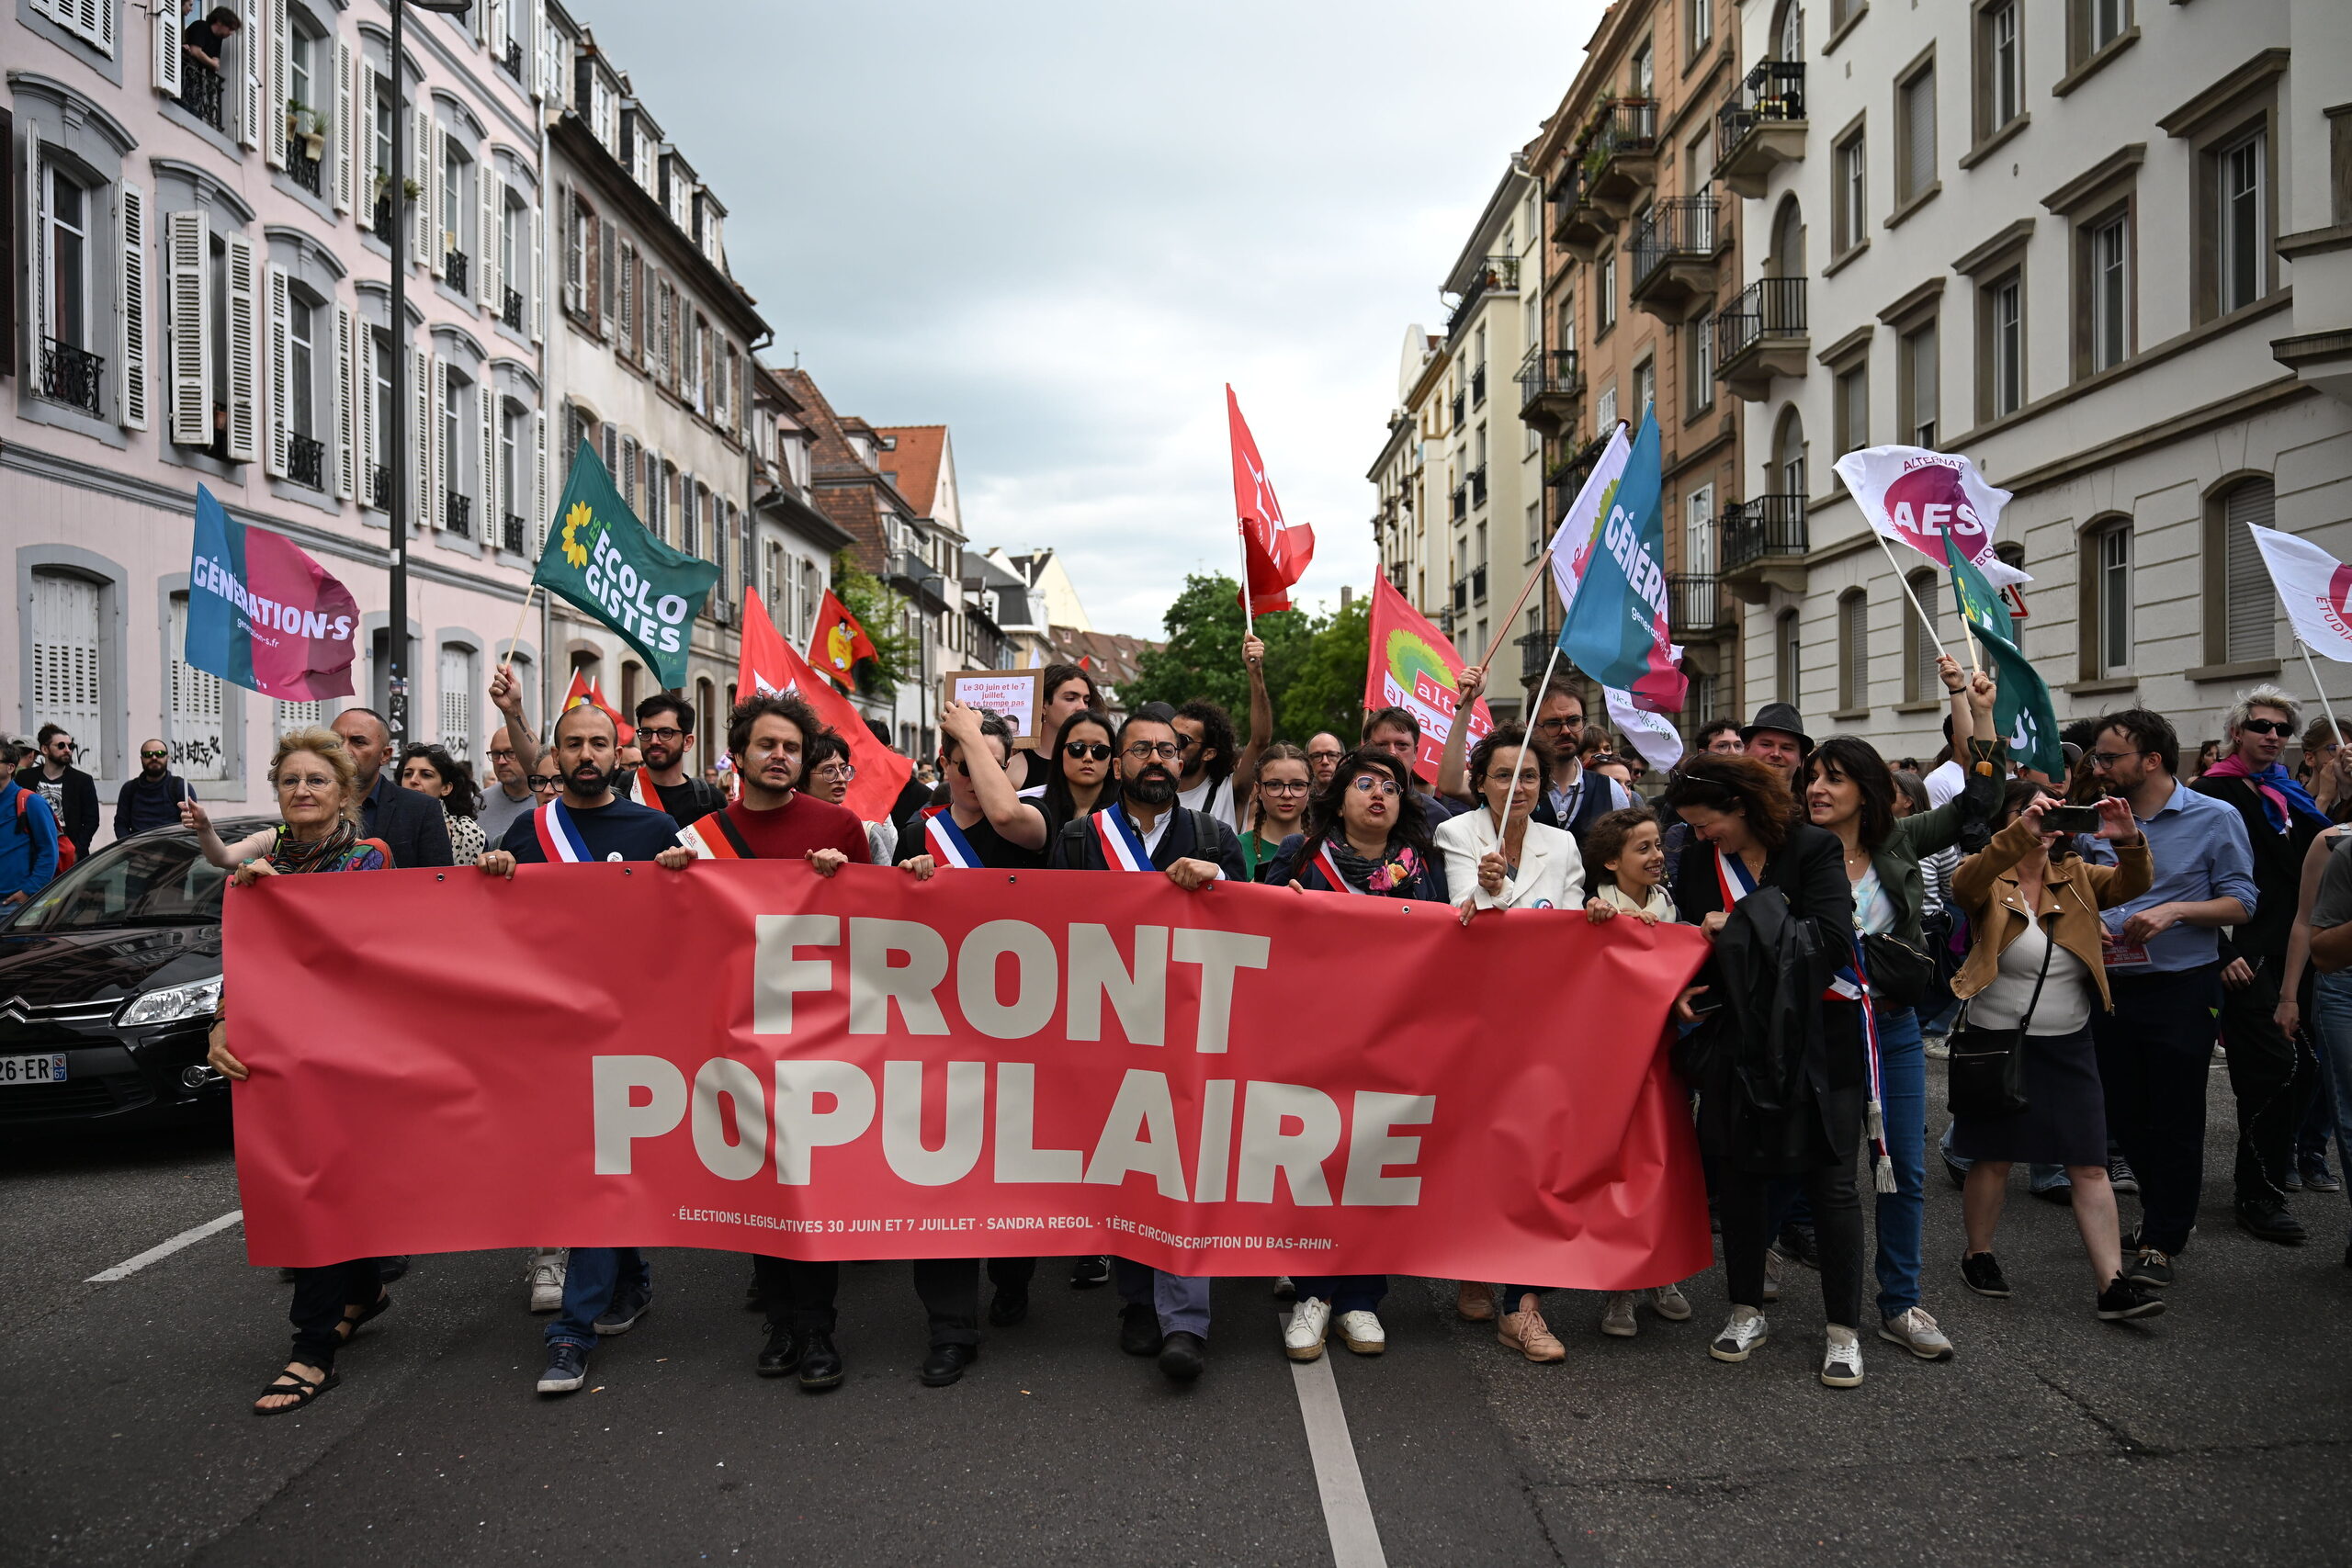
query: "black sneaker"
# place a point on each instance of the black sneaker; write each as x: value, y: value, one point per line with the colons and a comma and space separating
x: 2268, y: 1219
x: 2149, y: 1266
x: 2293, y: 1181
x: 2127, y: 1298
x: 1982, y: 1274
x: 2317, y: 1177
x: 1183, y: 1356
x: 1796, y: 1244
x: 629, y: 1306
x: 780, y: 1357
x: 1139, y: 1329
x: 1009, y: 1305
x: 2121, y: 1175
x: 567, y: 1370
x: 1086, y: 1273
x: 946, y: 1364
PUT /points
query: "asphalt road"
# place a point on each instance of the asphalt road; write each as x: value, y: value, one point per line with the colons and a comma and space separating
x: 2220, y: 1432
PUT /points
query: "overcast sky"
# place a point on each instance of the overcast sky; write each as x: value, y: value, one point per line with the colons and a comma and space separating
x: 1061, y: 229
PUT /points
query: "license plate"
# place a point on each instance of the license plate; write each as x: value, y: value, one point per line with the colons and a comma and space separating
x: 32, y: 1069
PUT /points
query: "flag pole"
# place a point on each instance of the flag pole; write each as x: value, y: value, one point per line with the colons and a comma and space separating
x: 1527, y: 732
x: 2319, y: 690
x: 508, y: 663
x: 1924, y: 619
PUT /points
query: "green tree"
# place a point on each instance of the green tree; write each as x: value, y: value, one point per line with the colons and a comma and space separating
x: 1324, y: 689
x: 1203, y: 655
x: 881, y: 611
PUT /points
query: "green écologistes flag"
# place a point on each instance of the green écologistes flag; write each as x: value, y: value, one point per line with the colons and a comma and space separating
x: 2022, y: 710
x: 600, y: 557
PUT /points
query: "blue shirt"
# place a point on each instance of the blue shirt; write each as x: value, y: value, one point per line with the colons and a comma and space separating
x: 623, y: 830
x: 27, y: 842
x: 2200, y: 851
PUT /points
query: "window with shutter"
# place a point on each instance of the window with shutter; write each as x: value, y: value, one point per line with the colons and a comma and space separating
x: 486, y: 505
x: 537, y: 286
x: 245, y: 350
x: 130, y: 280
x: 455, y: 700
x: 425, y: 209
x: 1920, y: 681
x: 281, y: 387
x: 287, y: 717
x: 421, y: 414
x: 2249, y: 613
x: 370, y: 371
x: 277, y: 92
x: 540, y: 498
x: 65, y: 652
x: 165, y: 24
x: 250, y: 42
x: 1853, y: 651
x: 436, y: 239
x: 346, y: 405
x: 198, y: 742
x: 437, y: 478
x: 342, y: 129
x: 187, y: 252
x: 362, y: 140
x: 490, y: 205
x: 1919, y: 133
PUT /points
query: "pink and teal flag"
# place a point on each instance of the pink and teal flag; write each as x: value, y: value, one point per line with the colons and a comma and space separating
x: 263, y: 614
x: 1616, y: 630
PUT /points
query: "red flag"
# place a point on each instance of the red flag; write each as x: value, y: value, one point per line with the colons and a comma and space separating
x: 1414, y: 667
x: 839, y: 641
x: 770, y: 665
x: 1275, y: 553
x: 584, y: 690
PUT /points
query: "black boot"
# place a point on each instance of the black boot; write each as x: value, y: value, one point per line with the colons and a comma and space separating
x: 946, y: 1364
x: 821, y: 1364
x: 1138, y: 1329
x: 782, y: 1353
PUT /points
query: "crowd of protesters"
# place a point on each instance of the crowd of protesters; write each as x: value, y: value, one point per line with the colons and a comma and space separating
x: 2075, y: 947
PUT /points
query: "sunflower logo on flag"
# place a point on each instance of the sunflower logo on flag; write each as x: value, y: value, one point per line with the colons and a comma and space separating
x: 575, y: 549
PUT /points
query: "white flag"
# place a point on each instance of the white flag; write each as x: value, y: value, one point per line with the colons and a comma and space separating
x: 1653, y: 734
x: 2315, y: 588
x: 1572, y: 545
x: 1931, y: 502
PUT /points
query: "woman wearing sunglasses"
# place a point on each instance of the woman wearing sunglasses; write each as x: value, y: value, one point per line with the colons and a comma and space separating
x: 1277, y: 808
x: 1078, y: 779
x: 1365, y: 837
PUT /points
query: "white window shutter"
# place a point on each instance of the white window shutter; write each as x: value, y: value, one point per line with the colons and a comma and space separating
x: 436, y: 478
x: 281, y: 369
x: 346, y: 130
x: 493, y: 192
x: 130, y: 201
x: 187, y: 252
x: 362, y: 371
x: 281, y: 78
x: 540, y: 70
x: 362, y: 122
x: 423, y: 219
x: 245, y: 405
x: 437, y: 193
x: 538, y: 260
x: 105, y: 35
x: 346, y: 405
x: 539, y: 497
x: 493, y: 514
x: 252, y: 40
x: 166, y: 28
x: 37, y: 269
x: 419, y: 401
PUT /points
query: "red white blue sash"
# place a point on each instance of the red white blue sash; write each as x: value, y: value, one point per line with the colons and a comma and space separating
x: 1331, y: 869
x: 559, y: 837
x: 947, y: 843
x: 642, y: 787
x: 1733, y: 876
x: 1122, y: 845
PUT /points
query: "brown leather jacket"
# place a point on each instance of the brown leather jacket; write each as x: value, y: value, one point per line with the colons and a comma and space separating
x: 1986, y: 887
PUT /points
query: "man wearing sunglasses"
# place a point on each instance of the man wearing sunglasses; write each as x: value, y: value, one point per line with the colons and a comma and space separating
x: 2265, y: 1073
x: 149, y: 798
x: 665, y: 737
x: 72, y: 795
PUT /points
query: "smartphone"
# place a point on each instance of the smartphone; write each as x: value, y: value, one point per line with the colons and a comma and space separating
x: 2070, y: 819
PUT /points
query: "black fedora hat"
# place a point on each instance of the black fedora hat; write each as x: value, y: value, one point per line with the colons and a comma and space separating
x: 1782, y: 716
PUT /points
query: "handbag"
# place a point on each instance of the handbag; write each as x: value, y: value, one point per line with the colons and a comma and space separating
x: 1987, y: 1065
x: 1899, y: 973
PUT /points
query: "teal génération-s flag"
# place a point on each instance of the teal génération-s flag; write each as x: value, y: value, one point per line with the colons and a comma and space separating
x: 2022, y: 710
x: 1617, y: 630
x: 601, y: 558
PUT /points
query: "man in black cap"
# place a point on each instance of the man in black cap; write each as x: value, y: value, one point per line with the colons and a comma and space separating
x: 1777, y: 739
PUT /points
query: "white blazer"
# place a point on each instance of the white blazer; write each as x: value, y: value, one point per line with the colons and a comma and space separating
x: 1551, y: 872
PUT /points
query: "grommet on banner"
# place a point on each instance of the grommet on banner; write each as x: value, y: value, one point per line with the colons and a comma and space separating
x: 438, y: 877
x: 626, y: 872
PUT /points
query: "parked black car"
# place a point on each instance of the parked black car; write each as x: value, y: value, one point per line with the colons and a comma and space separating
x: 108, y: 980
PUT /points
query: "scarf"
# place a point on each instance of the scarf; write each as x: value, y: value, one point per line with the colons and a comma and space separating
x: 291, y: 857
x: 2281, y: 796
x: 1616, y: 898
x: 1383, y: 875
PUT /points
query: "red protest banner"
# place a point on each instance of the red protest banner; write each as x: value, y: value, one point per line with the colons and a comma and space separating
x: 1413, y: 666
x: 742, y: 1055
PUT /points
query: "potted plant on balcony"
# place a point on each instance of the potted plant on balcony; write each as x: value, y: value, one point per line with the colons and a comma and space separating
x: 306, y: 123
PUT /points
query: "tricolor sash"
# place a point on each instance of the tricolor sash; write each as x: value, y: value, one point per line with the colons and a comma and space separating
x: 643, y: 790
x: 559, y: 836
x: 947, y: 843
x: 1122, y: 845
x: 1732, y: 876
x: 1331, y: 871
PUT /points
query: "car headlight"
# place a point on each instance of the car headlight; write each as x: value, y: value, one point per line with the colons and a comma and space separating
x: 199, y: 999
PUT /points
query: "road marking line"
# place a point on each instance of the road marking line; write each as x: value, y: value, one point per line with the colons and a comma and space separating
x: 1347, y: 1511
x: 128, y: 1266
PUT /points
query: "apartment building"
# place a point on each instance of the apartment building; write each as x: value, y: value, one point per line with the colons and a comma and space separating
x: 793, y: 543
x: 199, y: 253
x: 2104, y: 248
x: 1402, y: 475
x: 1642, y: 254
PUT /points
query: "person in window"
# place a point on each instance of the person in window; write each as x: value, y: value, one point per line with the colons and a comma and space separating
x: 203, y: 38
x: 151, y: 798
x: 415, y: 827
x: 431, y: 772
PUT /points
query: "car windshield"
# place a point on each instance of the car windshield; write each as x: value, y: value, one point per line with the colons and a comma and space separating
x: 147, y: 881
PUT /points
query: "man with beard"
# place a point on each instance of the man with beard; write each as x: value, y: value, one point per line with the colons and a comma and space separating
x: 72, y: 795
x: 412, y: 826
x: 769, y: 735
x: 1165, y: 1315
x: 151, y: 799
x: 605, y: 1289
x: 665, y: 737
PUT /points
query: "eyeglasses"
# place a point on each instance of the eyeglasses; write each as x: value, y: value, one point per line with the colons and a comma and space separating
x: 2108, y: 758
x: 1386, y: 788
x: 154, y: 756
x: 501, y: 755
x: 1165, y: 750
x: 1324, y: 756
x: 1554, y: 726
x: 841, y: 770
x: 1091, y: 750
x: 543, y: 781
x: 1285, y: 786
x: 2268, y: 726
x: 665, y: 734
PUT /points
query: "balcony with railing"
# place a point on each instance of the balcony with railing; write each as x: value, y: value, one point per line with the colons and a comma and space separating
x: 1567, y: 477
x: 1460, y: 406
x: 461, y: 513
x: 1461, y: 498
x: 454, y: 269
x: 1673, y: 255
x: 1694, y: 605
x: 512, y: 531
x: 1759, y: 541
x: 1478, y: 387
x: 1762, y: 125
x: 1460, y: 594
x: 1478, y: 585
x: 302, y: 169
x: 1619, y: 154
x: 306, y: 460
x: 511, y: 310
x: 1534, y: 653
x: 1763, y: 334
x: 71, y: 376
x: 200, y: 91
x: 512, y: 60
x: 1550, y: 388
x: 1496, y: 274
x: 1477, y: 482
x: 380, y: 224
x: 379, y: 488
x: 1578, y: 225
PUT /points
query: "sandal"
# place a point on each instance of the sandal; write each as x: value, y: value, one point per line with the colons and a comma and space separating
x: 349, y: 1329
x: 302, y: 1388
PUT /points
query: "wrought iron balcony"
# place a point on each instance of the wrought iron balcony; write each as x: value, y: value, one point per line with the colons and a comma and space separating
x: 1495, y: 275
x: 382, y: 223
x: 1534, y: 653
x: 1760, y: 530
x: 200, y: 91
x: 1619, y: 149
x: 1460, y: 406
x: 1477, y: 483
x: 1578, y: 225
x: 1461, y: 498
x: 453, y: 270
x: 70, y: 375
x: 1478, y: 387
x: 1549, y: 385
x: 1673, y: 254
x: 512, y: 314
x: 1763, y: 125
x: 1763, y: 334
x: 512, y: 535
x: 379, y: 487
x: 461, y: 513
x: 1478, y: 585
x: 512, y: 60
x: 1460, y: 594
x: 302, y: 169
x: 1694, y: 605
x: 1568, y: 475
x: 306, y: 460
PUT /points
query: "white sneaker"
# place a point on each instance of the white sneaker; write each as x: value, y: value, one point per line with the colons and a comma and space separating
x: 1917, y: 1333
x: 547, y: 1278
x: 1670, y: 1303
x: 1309, y: 1320
x: 1360, y: 1332
x: 1617, y: 1318
x: 1841, y: 1362
x: 1743, y: 1332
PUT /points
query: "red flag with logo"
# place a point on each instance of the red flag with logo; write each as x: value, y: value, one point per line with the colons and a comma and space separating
x: 770, y: 665
x: 1414, y: 667
x: 1276, y: 554
x: 584, y: 690
x: 839, y: 641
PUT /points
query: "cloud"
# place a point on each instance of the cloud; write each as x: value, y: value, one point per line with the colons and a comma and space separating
x: 1061, y: 229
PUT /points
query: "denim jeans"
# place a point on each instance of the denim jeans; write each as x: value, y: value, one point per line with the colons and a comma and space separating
x: 1903, y: 1068
x: 592, y: 1280
x: 2332, y: 1008
x: 1179, y: 1301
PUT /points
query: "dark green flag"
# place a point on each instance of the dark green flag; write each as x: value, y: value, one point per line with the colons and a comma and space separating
x: 2022, y: 711
x: 600, y: 557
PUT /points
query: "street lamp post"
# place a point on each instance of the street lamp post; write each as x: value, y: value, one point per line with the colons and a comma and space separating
x: 396, y: 503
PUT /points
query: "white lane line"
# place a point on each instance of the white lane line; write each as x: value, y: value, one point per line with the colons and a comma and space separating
x: 131, y: 1266
x: 1347, y: 1511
